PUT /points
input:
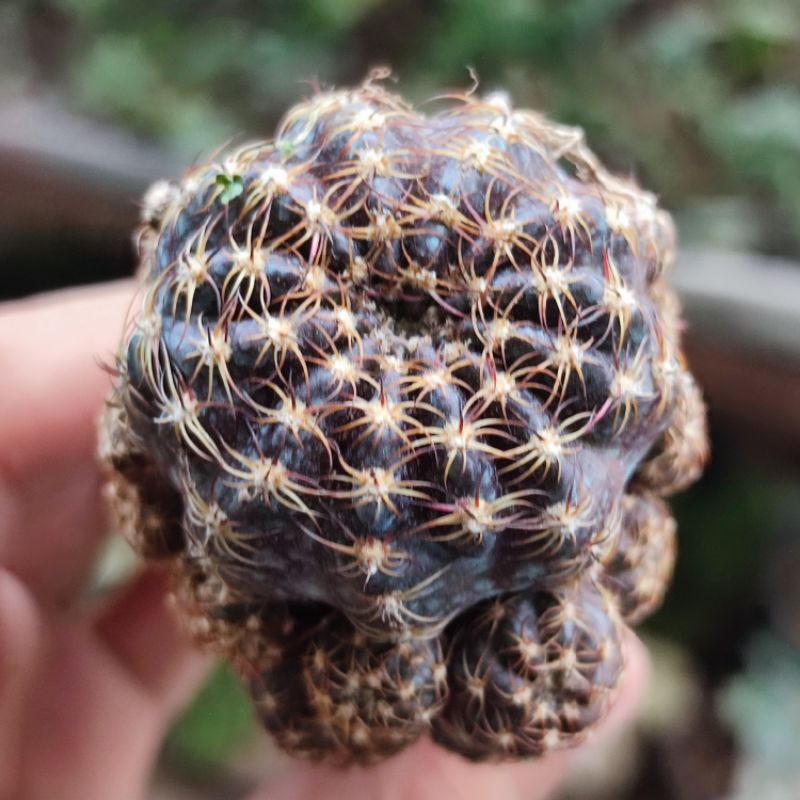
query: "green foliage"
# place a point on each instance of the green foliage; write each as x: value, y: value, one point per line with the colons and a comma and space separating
x: 762, y: 703
x: 217, y: 723
x: 727, y: 524
x: 232, y: 187
x: 699, y: 99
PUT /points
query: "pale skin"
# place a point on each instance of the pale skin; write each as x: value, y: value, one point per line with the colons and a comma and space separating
x: 87, y: 690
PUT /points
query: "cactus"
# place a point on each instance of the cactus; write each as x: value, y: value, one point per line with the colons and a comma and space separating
x: 397, y: 406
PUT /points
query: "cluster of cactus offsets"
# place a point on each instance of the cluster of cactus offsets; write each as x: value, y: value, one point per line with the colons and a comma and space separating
x: 398, y: 403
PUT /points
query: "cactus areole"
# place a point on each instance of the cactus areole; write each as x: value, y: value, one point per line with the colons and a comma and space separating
x: 399, y: 404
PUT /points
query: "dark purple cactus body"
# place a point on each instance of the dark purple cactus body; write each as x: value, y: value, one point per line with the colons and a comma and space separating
x: 397, y: 402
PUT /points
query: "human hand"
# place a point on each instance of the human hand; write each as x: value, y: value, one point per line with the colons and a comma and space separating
x: 87, y: 691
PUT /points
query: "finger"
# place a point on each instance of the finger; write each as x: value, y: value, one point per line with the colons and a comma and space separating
x: 51, y: 348
x: 20, y: 635
x: 428, y: 772
x: 104, y: 698
x: 140, y: 628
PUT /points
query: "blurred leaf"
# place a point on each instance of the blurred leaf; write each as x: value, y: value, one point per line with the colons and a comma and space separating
x: 725, y: 524
x: 682, y: 36
x: 218, y: 722
x: 767, y: 119
x: 730, y: 222
x: 14, y: 61
x: 695, y: 99
x: 759, y: 135
x: 340, y: 14
x: 119, y: 78
x: 767, y: 20
x: 762, y: 703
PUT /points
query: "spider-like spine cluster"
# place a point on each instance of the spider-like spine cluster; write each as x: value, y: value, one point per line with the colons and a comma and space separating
x: 398, y: 402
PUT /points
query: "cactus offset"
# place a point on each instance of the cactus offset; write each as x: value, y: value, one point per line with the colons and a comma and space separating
x: 398, y: 401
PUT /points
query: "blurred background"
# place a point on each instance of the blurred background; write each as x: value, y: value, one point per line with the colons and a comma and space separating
x: 700, y: 101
